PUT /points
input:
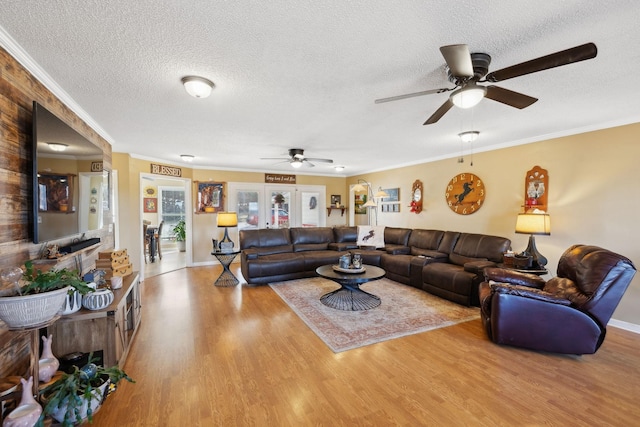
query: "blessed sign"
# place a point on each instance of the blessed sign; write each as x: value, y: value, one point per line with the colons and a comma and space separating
x: 96, y: 166
x: 271, y: 178
x: 166, y: 170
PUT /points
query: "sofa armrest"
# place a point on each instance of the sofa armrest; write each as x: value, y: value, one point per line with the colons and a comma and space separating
x: 527, y: 292
x: 478, y: 267
x: 250, y: 253
x: 513, y: 277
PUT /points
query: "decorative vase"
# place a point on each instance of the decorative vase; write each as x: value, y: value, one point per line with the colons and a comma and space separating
x: 97, y: 300
x: 28, y: 411
x: 73, y: 303
x: 48, y: 364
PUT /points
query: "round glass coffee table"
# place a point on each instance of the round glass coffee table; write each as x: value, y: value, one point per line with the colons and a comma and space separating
x: 350, y: 297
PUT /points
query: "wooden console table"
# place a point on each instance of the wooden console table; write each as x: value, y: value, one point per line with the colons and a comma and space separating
x: 110, y: 330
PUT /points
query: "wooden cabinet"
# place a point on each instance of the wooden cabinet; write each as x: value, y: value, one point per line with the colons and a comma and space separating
x: 110, y: 330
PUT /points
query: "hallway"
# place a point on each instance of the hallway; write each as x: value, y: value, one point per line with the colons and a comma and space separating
x: 172, y: 259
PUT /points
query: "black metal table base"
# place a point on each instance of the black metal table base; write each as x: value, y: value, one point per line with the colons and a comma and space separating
x: 350, y: 298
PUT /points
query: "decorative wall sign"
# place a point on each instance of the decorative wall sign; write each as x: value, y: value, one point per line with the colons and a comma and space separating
x: 209, y: 197
x: 465, y: 193
x: 149, y: 191
x: 166, y: 170
x: 96, y: 166
x: 150, y: 204
x: 274, y: 178
x: 536, y: 188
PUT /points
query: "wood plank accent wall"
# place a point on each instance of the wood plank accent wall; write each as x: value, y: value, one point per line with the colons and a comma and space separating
x: 18, y: 89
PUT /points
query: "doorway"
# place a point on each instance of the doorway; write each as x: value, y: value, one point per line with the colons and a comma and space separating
x: 165, y: 202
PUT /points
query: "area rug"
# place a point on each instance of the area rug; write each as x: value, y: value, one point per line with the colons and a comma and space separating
x: 404, y: 311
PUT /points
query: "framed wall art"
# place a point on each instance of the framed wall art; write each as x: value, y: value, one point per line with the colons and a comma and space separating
x: 336, y: 199
x: 150, y: 204
x: 55, y: 192
x: 209, y: 197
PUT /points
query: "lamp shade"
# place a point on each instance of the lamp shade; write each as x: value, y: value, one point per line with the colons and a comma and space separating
x: 227, y: 219
x: 533, y: 223
x: 370, y: 204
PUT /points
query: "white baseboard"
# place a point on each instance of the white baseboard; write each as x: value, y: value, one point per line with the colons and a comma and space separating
x: 632, y: 327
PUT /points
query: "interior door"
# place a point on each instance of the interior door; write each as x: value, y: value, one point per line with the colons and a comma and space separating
x: 281, y: 209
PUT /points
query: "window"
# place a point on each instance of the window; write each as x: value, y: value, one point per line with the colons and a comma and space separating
x: 171, y: 208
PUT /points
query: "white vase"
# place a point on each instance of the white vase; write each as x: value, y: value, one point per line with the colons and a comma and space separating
x: 28, y: 411
x: 29, y: 311
x: 48, y: 364
x: 98, y: 300
x: 73, y: 303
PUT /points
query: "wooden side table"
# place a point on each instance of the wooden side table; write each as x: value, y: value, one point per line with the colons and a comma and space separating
x: 226, y: 278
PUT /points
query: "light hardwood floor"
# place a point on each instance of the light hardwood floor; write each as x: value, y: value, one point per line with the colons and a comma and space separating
x: 210, y: 356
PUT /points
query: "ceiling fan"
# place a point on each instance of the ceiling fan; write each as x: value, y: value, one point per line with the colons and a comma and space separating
x: 465, y: 70
x: 297, y: 158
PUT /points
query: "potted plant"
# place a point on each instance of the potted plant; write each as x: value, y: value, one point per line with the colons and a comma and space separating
x: 35, y: 296
x: 78, y: 395
x: 179, y: 230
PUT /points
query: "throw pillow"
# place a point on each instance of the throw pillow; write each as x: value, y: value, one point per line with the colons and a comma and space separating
x: 370, y: 235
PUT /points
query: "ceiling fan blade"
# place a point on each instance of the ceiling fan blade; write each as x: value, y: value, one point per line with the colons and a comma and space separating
x: 509, y: 97
x: 411, y: 95
x: 439, y: 112
x: 308, y: 163
x: 569, y: 56
x: 458, y: 59
x: 275, y: 158
x: 319, y: 160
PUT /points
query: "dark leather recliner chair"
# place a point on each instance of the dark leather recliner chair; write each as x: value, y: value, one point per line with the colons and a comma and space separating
x: 567, y: 314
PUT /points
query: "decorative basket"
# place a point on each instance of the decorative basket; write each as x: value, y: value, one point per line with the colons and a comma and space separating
x: 32, y: 310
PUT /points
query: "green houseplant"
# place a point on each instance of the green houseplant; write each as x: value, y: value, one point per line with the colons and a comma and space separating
x: 35, y: 296
x: 180, y: 231
x: 77, y: 396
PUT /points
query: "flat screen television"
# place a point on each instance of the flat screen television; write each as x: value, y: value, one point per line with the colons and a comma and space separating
x: 70, y: 189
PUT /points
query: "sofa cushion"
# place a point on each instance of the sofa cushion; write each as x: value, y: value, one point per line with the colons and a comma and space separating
x: 481, y: 246
x: 276, y: 265
x: 396, y: 236
x: 449, y: 277
x: 311, y: 238
x: 398, y: 264
x: 263, y: 238
x: 345, y: 234
x: 448, y: 242
x: 315, y: 259
x: 462, y: 260
x: 425, y: 240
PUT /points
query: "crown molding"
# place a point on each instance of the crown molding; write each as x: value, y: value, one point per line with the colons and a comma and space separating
x: 20, y: 55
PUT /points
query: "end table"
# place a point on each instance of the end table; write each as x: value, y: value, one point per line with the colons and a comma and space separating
x: 226, y: 278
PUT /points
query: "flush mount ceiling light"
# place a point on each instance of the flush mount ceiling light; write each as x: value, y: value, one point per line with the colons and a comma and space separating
x: 187, y: 157
x: 339, y: 168
x: 468, y: 96
x: 198, y: 87
x: 57, y: 146
x: 469, y: 136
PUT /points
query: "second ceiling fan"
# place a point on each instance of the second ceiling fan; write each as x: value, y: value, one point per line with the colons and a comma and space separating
x: 465, y: 70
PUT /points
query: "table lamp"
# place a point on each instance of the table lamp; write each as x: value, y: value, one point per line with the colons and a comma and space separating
x: 535, y: 222
x: 226, y: 220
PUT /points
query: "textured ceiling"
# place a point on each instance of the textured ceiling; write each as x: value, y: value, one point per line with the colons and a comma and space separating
x: 304, y: 74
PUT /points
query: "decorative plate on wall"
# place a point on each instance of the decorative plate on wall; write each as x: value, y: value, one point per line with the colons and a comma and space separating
x: 149, y: 192
x: 465, y: 193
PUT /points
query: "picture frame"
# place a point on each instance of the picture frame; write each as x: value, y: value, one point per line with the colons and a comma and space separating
x: 394, y: 195
x: 336, y: 200
x: 209, y: 197
x: 360, y: 200
x: 150, y: 204
x: 55, y: 192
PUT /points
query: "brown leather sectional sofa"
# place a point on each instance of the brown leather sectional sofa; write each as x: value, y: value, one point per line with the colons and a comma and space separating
x: 448, y: 264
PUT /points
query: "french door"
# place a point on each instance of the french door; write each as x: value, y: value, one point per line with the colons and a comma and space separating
x: 277, y: 206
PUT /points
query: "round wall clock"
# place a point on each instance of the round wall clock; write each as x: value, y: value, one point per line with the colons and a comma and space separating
x: 465, y: 193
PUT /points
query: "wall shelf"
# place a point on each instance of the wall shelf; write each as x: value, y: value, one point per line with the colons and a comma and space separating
x: 341, y: 208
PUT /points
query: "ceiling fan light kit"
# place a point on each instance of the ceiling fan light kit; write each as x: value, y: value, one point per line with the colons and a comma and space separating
x: 469, y: 136
x: 468, y: 96
x: 198, y: 87
x: 297, y: 158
